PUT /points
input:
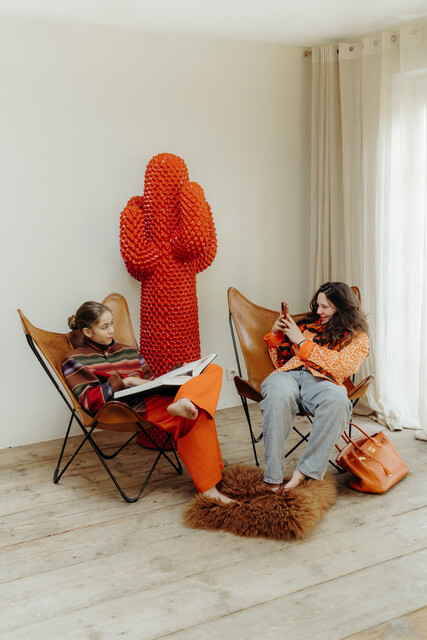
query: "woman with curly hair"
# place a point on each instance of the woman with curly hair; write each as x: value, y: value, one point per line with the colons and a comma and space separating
x: 312, y: 359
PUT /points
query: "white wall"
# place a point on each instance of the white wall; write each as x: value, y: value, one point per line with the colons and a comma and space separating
x: 84, y: 108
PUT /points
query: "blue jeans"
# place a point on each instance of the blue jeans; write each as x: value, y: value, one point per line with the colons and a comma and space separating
x: 284, y: 394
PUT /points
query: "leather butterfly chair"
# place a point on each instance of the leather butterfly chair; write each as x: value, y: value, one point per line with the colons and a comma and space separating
x: 252, y: 323
x: 50, y: 349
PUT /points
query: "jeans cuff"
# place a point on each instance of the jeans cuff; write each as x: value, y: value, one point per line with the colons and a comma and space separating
x: 272, y: 481
x: 309, y: 475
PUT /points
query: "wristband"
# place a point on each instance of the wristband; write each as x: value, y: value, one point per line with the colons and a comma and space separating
x: 300, y: 343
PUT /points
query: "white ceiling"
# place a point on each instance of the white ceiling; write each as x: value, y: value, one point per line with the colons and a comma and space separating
x: 294, y: 22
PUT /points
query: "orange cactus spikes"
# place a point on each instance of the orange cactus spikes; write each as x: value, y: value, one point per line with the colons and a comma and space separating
x: 167, y: 236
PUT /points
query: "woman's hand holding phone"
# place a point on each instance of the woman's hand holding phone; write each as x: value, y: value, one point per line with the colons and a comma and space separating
x: 280, y: 325
x: 293, y: 331
x: 287, y: 325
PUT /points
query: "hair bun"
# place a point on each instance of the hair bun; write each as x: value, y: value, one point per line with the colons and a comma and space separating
x: 72, y: 322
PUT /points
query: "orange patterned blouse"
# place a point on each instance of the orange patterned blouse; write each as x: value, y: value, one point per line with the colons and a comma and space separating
x: 322, y: 361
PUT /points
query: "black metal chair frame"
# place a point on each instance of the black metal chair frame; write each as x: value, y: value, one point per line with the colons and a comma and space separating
x: 254, y: 439
x: 99, y: 452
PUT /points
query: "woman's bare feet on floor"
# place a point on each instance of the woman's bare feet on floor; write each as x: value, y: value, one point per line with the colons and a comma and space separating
x: 297, y: 478
x: 183, y: 408
x: 214, y: 493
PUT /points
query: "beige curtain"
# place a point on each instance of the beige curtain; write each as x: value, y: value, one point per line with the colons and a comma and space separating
x: 369, y: 203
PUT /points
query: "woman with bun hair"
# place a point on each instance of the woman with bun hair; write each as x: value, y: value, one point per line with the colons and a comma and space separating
x: 312, y: 360
x: 99, y: 366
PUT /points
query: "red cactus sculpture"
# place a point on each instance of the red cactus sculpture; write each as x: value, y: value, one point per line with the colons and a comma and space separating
x: 167, y: 236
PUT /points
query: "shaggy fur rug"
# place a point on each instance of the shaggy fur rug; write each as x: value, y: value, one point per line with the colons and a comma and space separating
x: 260, y: 512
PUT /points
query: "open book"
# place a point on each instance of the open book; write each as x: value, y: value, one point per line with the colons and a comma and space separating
x: 174, y: 378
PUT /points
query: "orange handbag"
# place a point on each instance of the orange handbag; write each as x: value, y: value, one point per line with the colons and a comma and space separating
x: 373, y: 461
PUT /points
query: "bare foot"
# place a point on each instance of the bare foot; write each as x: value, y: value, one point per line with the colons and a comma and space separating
x: 297, y: 478
x: 183, y: 408
x: 214, y: 493
x: 273, y: 487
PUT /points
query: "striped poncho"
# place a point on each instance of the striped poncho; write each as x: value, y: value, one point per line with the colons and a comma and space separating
x: 95, y: 371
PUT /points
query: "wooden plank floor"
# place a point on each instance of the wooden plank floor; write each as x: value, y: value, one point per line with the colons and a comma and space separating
x: 79, y: 563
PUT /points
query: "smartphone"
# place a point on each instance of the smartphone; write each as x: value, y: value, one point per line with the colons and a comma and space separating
x: 284, y: 309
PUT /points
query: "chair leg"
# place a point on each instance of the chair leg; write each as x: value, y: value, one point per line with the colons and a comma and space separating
x: 110, y: 456
x: 354, y: 403
x: 102, y: 457
x: 56, y: 475
x: 248, y: 418
x: 161, y: 452
x: 339, y: 469
x: 303, y: 439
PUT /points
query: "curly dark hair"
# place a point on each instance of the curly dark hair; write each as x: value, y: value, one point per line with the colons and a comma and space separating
x: 348, y: 318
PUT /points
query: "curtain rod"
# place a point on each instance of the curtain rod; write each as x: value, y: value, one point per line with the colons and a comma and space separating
x: 307, y: 53
x: 394, y: 38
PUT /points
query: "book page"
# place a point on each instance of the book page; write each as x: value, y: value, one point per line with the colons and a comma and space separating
x: 177, y: 377
x: 203, y: 363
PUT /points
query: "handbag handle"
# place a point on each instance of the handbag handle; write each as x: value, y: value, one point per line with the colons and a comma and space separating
x: 348, y: 440
x: 364, y: 433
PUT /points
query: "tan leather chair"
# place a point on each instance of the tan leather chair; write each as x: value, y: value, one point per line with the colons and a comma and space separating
x: 252, y: 323
x: 123, y: 328
x: 50, y: 349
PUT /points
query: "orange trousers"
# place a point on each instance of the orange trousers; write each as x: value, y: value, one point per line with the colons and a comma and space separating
x: 196, y: 440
